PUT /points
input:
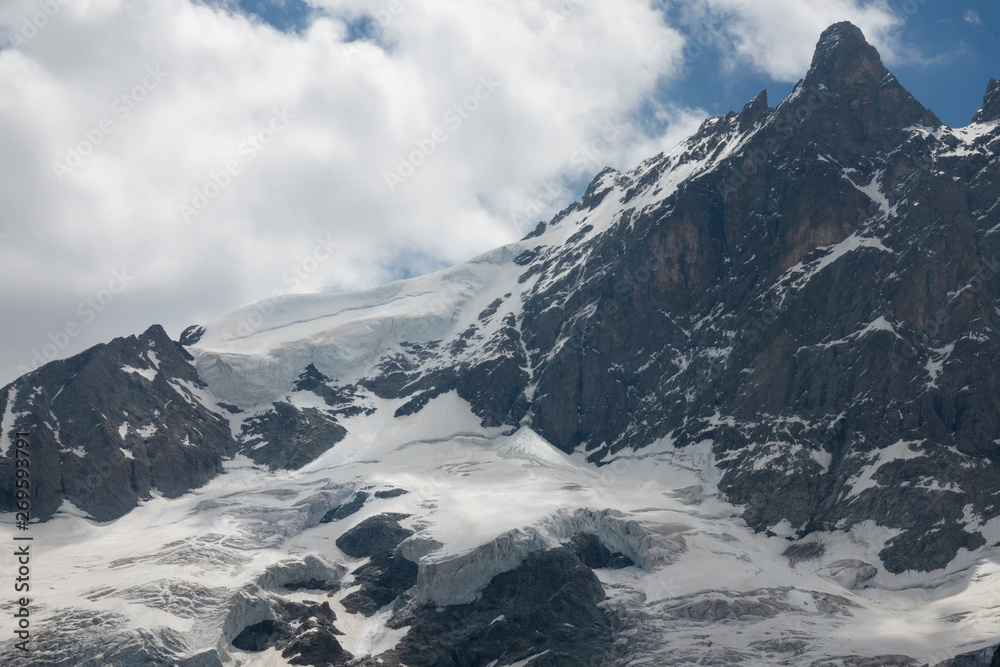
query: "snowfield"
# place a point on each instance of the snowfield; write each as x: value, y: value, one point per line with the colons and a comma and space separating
x: 703, y: 583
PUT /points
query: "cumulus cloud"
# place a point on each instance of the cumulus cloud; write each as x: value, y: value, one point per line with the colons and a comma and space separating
x: 972, y: 17
x: 215, y: 160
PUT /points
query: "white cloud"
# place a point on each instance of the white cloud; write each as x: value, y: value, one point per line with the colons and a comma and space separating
x: 571, y: 75
x: 778, y: 37
x: 972, y: 17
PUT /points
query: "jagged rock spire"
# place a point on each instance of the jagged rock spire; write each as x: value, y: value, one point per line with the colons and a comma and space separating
x: 754, y: 110
x: 990, y: 110
x: 849, y: 73
x: 843, y: 57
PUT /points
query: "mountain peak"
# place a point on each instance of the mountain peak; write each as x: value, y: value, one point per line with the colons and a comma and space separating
x: 990, y: 110
x: 861, y: 89
x: 754, y: 110
x: 844, y: 31
x: 843, y: 57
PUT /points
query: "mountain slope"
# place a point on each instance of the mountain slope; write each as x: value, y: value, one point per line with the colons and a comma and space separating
x: 806, y: 286
x: 770, y: 353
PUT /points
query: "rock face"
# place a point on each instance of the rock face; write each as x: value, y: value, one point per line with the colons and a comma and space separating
x: 110, y: 425
x: 593, y: 554
x: 375, y: 534
x: 286, y: 437
x: 990, y: 110
x: 546, y: 607
x: 385, y: 577
x: 817, y: 298
x: 305, y: 634
x: 387, y: 574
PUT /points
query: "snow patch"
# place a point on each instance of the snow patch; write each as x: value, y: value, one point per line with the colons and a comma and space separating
x: 873, y: 191
x: 532, y: 450
x: 899, y: 451
x: 935, y: 363
x: 822, y: 457
x: 799, y: 275
x: 147, y: 373
x: 879, y: 324
x: 972, y: 522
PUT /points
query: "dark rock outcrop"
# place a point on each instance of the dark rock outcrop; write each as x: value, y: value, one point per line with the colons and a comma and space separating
x: 754, y: 112
x: 385, y: 577
x: 287, y: 437
x: 373, y: 535
x: 990, y: 111
x: 305, y: 634
x: 108, y: 426
x: 191, y: 335
x: 548, y: 607
x: 341, y: 512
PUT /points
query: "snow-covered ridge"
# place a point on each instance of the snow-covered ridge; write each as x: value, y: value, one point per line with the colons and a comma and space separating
x: 253, y: 355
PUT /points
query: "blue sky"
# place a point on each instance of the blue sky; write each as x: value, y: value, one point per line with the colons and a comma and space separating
x: 217, y: 147
x: 957, y: 56
x: 962, y: 54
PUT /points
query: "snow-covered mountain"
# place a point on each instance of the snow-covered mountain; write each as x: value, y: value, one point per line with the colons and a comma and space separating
x: 739, y: 405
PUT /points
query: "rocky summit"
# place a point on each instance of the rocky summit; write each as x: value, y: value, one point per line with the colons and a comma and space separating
x: 738, y: 405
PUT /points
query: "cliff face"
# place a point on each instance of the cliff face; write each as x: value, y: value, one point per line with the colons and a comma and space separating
x: 821, y: 304
x: 108, y: 426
